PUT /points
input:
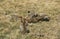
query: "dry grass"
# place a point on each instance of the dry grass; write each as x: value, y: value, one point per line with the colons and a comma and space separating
x: 9, y: 28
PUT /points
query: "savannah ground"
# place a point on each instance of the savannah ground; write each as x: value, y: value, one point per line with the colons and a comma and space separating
x: 9, y: 28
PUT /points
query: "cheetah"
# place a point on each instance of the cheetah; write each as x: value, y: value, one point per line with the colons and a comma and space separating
x: 31, y: 18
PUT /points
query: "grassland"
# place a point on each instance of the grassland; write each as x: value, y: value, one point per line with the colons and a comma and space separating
x: 9, y: 28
